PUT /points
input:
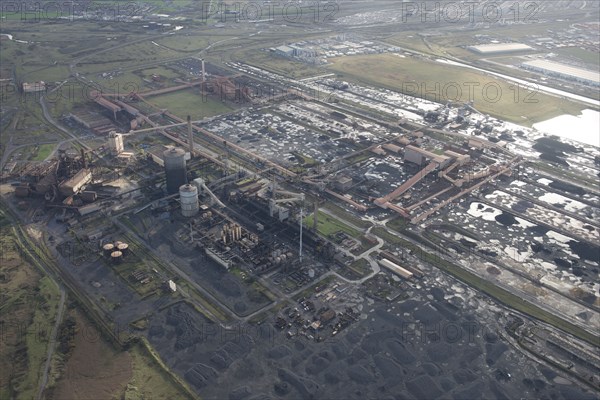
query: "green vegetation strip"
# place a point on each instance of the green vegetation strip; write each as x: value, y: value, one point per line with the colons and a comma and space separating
x: 346, y: 216
x: 458, y: 229
x: 180, y: 383
x: 360, y: 267
x: 213, y: 310
x: 43, y: 151
x: 328, y: 225
x: 495, y: 292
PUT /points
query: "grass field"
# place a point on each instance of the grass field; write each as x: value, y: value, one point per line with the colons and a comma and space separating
x: 346, y: 216
x: 43, y: 151
x: 187, y: 43
x: 442, y: 82
x: 361, y: 267
x: 586, y: 56
x: 328, y: 226
x: 49, y: 74
x: 150, y: 380
x: 162, y: 71
x: 189, y: 102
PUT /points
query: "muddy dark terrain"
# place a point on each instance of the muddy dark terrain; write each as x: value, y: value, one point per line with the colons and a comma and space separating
x: 433, y: 345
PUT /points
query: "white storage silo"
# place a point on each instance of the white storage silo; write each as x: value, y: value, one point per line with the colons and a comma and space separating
x: 188, y: 197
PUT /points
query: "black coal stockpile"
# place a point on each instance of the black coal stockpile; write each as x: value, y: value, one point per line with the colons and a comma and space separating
x: 555, y: 145
x: 555, y: 158
x: 554, y: 150
x: 566, y: 187
x: 201, y: 375
x: 522, y: 206
x: 585, y: 251
x: 185, y: 327
x: 506, y: 219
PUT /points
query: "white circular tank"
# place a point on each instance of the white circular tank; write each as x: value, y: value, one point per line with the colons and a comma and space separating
x: 116, y: 256
x: 108, y: 248
x: 123, y: 248
x: 188, y: 197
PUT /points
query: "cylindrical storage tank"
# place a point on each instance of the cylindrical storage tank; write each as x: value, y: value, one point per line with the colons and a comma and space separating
x: 188, y: 197
x: 311, y: 273
x: 108, y: 249
x: 123, y: 248
x: 174, y: 159
x: 116, y: 257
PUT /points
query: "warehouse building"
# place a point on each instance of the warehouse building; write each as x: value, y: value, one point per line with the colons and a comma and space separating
x: 419, y: 156
x: 34, y: 87
x: 284, y: 51
x: 565, y: 71
x: 499, y: 48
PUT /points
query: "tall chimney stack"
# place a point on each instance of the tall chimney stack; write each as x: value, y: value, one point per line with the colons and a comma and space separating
x: 190, y: 136
x: 203, y: 72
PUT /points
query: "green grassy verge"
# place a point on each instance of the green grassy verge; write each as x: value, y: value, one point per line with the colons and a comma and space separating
x: 152, y: 379
x: 29, y: 301
x: 346, y: 216
x: 442, y: 82
x: 206, y: 303
x: 329, y: 226
x: 189, y: 102
x: 43, y: 151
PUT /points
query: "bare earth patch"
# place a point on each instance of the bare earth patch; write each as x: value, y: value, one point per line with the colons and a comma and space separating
x: 94, y: 369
